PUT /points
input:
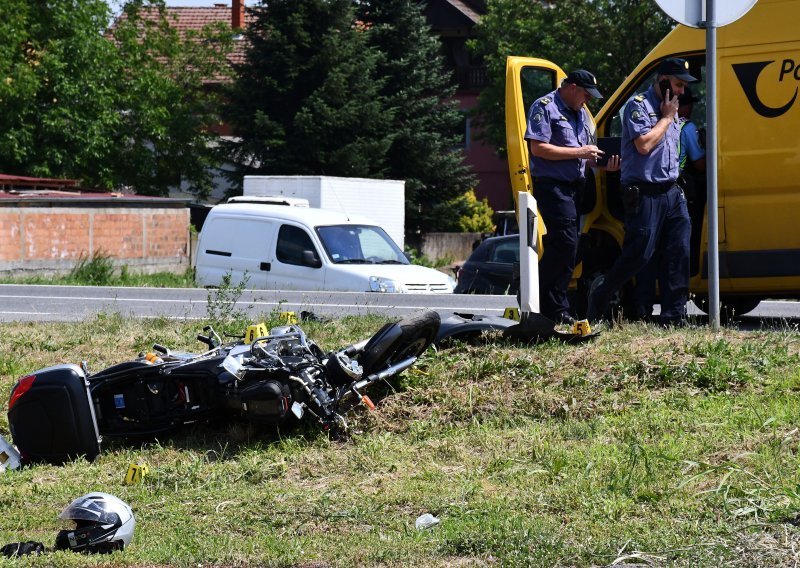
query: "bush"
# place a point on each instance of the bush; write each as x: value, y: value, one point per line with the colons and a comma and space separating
x: 95, y: 271
x: 464, y: 214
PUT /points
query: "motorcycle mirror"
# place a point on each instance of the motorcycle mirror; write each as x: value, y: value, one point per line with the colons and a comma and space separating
x: 298, y: 410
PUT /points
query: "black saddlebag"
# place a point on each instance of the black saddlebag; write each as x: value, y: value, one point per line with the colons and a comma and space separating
x: 51, y: 416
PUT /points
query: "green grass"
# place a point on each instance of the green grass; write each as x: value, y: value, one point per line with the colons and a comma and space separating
x: 646, y: 445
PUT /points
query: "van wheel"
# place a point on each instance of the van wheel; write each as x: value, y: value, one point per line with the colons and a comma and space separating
x: 739, y: 305
x: 731, y: 307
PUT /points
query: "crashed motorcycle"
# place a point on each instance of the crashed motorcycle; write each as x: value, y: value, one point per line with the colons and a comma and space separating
x: 62, y: 412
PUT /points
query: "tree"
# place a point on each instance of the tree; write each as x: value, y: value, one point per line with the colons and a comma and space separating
x: 55, y: 104
x: 167, y: 103
x: 307, y: 100
x: 608, y: 37
x: 116, y: 110
x: 425, y: 130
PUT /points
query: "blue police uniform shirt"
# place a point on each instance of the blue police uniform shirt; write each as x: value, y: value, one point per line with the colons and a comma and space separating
x: 551, y: 121
x: 640, y: 115
x: 689, y: 145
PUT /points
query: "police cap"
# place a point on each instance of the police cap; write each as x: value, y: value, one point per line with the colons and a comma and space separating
x: 584, y: 79
x: 676, y: 67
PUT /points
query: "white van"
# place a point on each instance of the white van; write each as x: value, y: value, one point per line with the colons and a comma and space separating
x: 281, y: 247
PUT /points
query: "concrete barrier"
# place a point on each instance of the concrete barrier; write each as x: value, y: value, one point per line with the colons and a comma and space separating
x: 448, y: 246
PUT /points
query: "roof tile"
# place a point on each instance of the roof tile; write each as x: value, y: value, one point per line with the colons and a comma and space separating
x: 185, y: 19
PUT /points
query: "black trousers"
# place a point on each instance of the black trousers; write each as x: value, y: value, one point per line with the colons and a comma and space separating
x: 557, y: 204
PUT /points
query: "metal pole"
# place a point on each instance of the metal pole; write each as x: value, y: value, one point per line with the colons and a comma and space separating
x: 711, y: 165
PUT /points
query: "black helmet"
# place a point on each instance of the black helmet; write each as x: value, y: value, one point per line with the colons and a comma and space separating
x: 103, y: 523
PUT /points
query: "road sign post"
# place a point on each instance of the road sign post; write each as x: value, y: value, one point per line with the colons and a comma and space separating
x: 711, y: 166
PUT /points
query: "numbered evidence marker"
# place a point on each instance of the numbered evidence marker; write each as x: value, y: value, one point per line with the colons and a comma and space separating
x: 255, y: 331
x: 136, y: 473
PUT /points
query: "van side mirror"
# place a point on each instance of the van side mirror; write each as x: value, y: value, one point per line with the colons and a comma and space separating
x: 311, y: 259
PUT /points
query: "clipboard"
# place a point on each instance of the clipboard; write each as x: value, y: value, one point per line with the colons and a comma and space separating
x: 611, y: 146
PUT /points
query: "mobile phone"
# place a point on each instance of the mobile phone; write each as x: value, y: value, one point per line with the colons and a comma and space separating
x: 610, y: 146
x: 664, y: 85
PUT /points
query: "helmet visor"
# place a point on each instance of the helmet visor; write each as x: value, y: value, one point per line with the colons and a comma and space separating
x: 90, y: 510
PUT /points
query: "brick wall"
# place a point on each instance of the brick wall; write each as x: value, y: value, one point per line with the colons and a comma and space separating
x: 52, y: 239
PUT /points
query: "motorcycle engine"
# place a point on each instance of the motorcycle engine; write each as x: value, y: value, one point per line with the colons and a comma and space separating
x: 266, y: 401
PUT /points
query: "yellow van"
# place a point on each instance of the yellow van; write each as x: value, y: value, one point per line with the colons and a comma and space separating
x: 758, y: 74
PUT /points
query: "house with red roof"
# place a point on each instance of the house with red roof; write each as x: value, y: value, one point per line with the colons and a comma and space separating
x: 455, y: 21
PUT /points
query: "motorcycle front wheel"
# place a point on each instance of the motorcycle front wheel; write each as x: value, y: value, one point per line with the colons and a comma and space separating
x: 395, y: 342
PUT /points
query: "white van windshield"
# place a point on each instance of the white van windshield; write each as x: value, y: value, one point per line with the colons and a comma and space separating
x: 360, y: 244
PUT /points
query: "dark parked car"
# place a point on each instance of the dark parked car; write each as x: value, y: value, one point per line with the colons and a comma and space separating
x: 490, y: 267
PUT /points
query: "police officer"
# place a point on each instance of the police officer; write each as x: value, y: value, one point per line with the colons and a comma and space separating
x: 561, y: 138
x: 656, y: 215
x: 691, y: 161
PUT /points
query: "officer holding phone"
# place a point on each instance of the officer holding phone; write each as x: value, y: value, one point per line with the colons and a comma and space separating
x: 562, y: 141
x: 656, y: 214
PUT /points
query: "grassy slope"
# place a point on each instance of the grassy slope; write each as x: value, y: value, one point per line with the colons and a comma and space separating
x: 658, y: 446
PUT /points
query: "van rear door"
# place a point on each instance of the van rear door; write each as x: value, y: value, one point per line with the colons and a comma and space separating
x: 239, y: 245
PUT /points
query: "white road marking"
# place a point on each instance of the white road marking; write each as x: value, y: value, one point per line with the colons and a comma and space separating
x: 241, y: 302
x: 30, y: 313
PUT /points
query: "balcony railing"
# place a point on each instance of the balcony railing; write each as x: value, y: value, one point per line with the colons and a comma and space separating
x: 471, y: 77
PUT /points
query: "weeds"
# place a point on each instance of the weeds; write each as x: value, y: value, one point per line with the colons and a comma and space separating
x: 417, y: 258
x: 96, y: 270
x: 222, y: 302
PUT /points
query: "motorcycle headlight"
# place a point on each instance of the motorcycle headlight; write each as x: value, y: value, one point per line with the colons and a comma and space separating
x: 381, y: 284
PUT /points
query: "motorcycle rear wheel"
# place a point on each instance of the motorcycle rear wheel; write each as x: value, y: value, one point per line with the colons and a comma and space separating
x: 395, y: 342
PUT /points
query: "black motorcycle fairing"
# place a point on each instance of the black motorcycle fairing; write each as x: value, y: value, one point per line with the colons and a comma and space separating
x: 155, y: 398
x: 267, y: 401
x: 465, y: 327
x: 121, y: 368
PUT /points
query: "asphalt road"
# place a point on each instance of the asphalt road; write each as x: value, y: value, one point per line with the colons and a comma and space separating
x: 75, y: 303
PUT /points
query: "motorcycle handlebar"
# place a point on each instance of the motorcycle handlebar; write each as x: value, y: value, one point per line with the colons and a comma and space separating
x: 212, y: 339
